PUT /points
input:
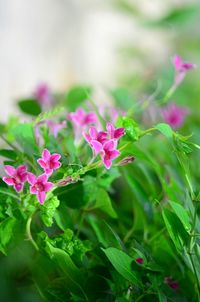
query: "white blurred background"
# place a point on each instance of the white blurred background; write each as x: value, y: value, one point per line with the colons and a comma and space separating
x: 63, y: 42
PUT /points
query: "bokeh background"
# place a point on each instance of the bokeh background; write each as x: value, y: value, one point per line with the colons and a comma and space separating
x: 112, y: 43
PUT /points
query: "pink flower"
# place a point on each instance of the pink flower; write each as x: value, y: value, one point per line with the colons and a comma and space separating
x: 39, y: 186
x: 109, y: 153
x: 181, y: 68
x: 43, y: 94
x: 80, y: 118
x: 54, y: 127
x: 96, y: 139
x: 17, y: 177
x: 114, y: 133
x: 174, y: 115
x: 49, y: 162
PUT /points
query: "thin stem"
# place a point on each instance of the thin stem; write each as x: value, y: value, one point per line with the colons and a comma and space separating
x: 29, y: 235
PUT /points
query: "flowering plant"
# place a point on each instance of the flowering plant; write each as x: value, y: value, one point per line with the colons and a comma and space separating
x: 96, y: 207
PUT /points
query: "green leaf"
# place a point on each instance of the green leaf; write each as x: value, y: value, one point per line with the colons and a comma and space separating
x: 165, y: 129
x: 176, y: 230
x: 11, y: 154
x: 67, y: 266
x: 104, y: 233
x: 103, y: 203
x: 182, y: 214
x: 30, y: 106
x: 76, y: 95
x: 122, y: 263
x: 24, y: 135
x: 48, y: 210
x: 6, y: 233
x: 131, y: 127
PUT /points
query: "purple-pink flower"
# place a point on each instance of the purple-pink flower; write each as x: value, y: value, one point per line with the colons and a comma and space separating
x: 39, y: 186
x: 43, y: 94
x: 114, y: 133
x: 49, y: 162
x: 105, y: 142
x: 17, y: 177
x: 174, y: 115
x: 181, y: 68
x: 109, y: 153
x: 96, y: 139
x: 80, y: 118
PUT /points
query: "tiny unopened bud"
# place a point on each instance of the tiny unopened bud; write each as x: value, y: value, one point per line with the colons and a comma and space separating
x: 171, y: 283
x: 68, y: 180
x: 139, y: 260
x: 126, y: 160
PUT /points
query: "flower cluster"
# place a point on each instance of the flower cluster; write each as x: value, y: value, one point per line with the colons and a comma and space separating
x: 39, y: 184
x: 105, y: 142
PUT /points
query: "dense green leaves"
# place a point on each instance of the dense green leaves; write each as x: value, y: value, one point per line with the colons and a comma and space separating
x: 7, y: 228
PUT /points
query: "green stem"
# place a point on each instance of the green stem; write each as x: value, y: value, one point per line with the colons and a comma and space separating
x: 29, y: 235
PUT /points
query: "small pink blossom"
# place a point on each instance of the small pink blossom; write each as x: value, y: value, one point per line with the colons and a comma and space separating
x: 96, y: 139
x: 174, y: 115
x: 80, y: 118
x: 49, y: 162
x: 114, y: 133
x: 17, y: 177
x: 43, y: 94
x: 39, y: 186
x: 109, y: 153
x: 54, y: 127
x: 181, y: 68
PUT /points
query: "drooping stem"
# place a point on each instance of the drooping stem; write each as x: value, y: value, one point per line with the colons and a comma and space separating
x: 29, y: 235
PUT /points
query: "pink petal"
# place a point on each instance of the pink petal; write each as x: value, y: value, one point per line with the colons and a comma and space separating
x: 55, y: 157
x: 107, y: 163
x: 18, y: 187
x: 177, y: 61
x: 42, y: 178
x: 55, y: 165
x: 42, y: 163
x: 46, y: 154
x: 87, y: 137
x: 93, y: 132
x: 114, y: 154
x: 33, y: 190
x: 21, y: 169
x: 119, y: 132
x: 10, y: 170
x: 109, y: 145
x: 48, y: 171
x: 48, y: 186
x: 96, y: 146
x: 90, y: 118
x: 110, y: 128
x: 8, y: 180
x: 41, y: 197
x: 32, y: 179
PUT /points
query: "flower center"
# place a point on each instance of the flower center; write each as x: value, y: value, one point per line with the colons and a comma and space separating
x: 39, y: 187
